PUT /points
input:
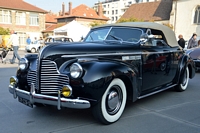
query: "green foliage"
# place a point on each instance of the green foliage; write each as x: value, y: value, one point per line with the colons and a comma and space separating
x: 168, y: 25
x: 121, y: 20
x: 4, y: 31
x: 97, y: 23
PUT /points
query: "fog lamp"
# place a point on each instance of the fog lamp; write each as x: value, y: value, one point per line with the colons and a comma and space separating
x: 66, y: 91
x: 13, y: 80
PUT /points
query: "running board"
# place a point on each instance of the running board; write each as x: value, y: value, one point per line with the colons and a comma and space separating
x: 157, y: 91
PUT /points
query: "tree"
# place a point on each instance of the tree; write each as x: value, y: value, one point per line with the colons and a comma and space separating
x: 121, y: 20
x: 97, y: 23
x: 168, y: 25
x: 4, y: 31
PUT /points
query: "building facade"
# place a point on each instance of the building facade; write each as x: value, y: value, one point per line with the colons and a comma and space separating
x: 185, y: 18
x: 114, y: 9
x: 23, y: 18
x: 82, y: 14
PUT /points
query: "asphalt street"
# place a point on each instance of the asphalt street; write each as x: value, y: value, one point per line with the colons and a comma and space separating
x: 166, y: 112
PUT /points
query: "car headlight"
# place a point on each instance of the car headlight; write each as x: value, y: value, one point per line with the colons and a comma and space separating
x: 76, y: 70
x: 23, y: 64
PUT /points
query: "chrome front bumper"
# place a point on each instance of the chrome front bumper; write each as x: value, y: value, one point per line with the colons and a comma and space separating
x: 51, y: 100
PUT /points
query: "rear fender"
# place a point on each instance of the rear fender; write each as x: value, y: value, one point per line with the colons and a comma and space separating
x: 184, y: 62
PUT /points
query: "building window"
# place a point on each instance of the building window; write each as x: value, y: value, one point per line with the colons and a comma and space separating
x: 197, y: 15
x: 113, y: 12
x: 116, y: 18
x: 21, y: 18
x: 112, y: 18
x: 34, y: 19
x: 116, y: 11
x: 108, y: 12
x: 5, y: 16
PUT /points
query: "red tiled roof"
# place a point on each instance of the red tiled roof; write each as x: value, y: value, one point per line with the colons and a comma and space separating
x: 150, y: 11
x: 51, y: 27
x: 50, y: 18
x: 19, y: 5
x: 84, y: 11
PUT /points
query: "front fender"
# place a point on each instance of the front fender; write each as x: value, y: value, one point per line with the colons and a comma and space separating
x: 22, y: 75
x: 98, y: 75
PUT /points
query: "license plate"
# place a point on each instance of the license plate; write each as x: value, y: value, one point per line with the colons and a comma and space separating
x: 25, y: 101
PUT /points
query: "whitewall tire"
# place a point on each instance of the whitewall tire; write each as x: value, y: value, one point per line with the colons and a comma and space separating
x: 112, y: 104
x: 182, y: 86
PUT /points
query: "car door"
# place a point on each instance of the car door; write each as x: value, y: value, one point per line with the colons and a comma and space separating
x: 158, y: 66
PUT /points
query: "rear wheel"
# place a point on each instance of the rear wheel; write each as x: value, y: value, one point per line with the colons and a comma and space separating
x: 112, y: 104
x: 182, y: 86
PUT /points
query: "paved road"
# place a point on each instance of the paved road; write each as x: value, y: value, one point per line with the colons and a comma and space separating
x: 166, y: 112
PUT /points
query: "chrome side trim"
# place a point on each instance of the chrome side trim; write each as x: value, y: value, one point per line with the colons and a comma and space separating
x: 157, y: 91
x: 111, y: 54
x: 51, y: 100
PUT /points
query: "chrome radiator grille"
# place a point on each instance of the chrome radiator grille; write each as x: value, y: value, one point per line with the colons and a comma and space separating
x: 50, y: 78
x: 32, y: 76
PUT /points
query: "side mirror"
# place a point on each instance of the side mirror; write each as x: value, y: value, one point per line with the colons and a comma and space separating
x: 144, y: 38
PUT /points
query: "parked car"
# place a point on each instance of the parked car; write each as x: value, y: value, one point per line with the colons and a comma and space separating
x: 104, y: 71
x: 34, y: 47
x: 58, y: 38
x: 194, y: 53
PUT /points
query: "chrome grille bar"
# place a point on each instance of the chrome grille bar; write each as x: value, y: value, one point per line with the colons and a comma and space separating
x: 51, y: 80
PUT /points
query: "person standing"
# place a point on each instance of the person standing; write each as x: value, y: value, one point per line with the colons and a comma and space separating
x: 14, y: 40
x: 181, y: 41
x: 193, y: 41
x: 28, y: 40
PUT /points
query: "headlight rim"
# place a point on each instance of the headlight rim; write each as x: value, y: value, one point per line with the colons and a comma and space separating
x: 23, y: 61
x: 80, y: 72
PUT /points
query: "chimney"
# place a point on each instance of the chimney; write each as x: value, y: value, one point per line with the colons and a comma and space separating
x: 70, y: 8
x: 100, y: 10
x: 60, y: 13
x: 63, y: 9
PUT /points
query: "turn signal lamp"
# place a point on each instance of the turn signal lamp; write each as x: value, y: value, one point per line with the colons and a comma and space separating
x: 66, y: 91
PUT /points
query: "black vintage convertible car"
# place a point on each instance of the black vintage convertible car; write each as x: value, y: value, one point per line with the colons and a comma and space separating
x: 114, y: 63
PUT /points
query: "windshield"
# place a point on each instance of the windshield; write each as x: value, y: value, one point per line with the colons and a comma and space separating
x: 115, y: 33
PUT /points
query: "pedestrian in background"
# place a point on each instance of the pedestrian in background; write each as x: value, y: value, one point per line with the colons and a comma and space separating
x: 28, y: 40
x: 181, y: 41
x: 35, y: 40
x: 14, y: 40
x: 193, y: 41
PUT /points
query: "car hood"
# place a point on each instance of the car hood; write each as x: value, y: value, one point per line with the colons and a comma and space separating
x: 86, y: 48
x: 194, y: 53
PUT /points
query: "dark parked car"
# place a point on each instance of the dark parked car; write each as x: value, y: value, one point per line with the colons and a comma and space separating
x: 194, y: 53
x: 105, y: 70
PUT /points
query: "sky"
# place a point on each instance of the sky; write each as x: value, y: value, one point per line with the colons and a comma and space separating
x: 56, y: 5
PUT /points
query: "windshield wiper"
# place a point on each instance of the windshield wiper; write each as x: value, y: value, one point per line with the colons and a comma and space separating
x: 115, y: 37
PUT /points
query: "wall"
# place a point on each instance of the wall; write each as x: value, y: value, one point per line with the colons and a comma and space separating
x: 25, y: 30
x: 182, y: 18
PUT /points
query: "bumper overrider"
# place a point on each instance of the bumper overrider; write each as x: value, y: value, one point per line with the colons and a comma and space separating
x: 29, y: 98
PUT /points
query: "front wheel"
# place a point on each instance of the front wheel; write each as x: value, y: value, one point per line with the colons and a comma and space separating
x: 182, y: 86
x: 112, y: 104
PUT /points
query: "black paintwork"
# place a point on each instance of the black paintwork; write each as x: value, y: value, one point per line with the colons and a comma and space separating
x: 106, y: 60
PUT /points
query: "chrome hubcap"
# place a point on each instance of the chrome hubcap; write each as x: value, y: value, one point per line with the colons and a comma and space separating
x: 114, y: 100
